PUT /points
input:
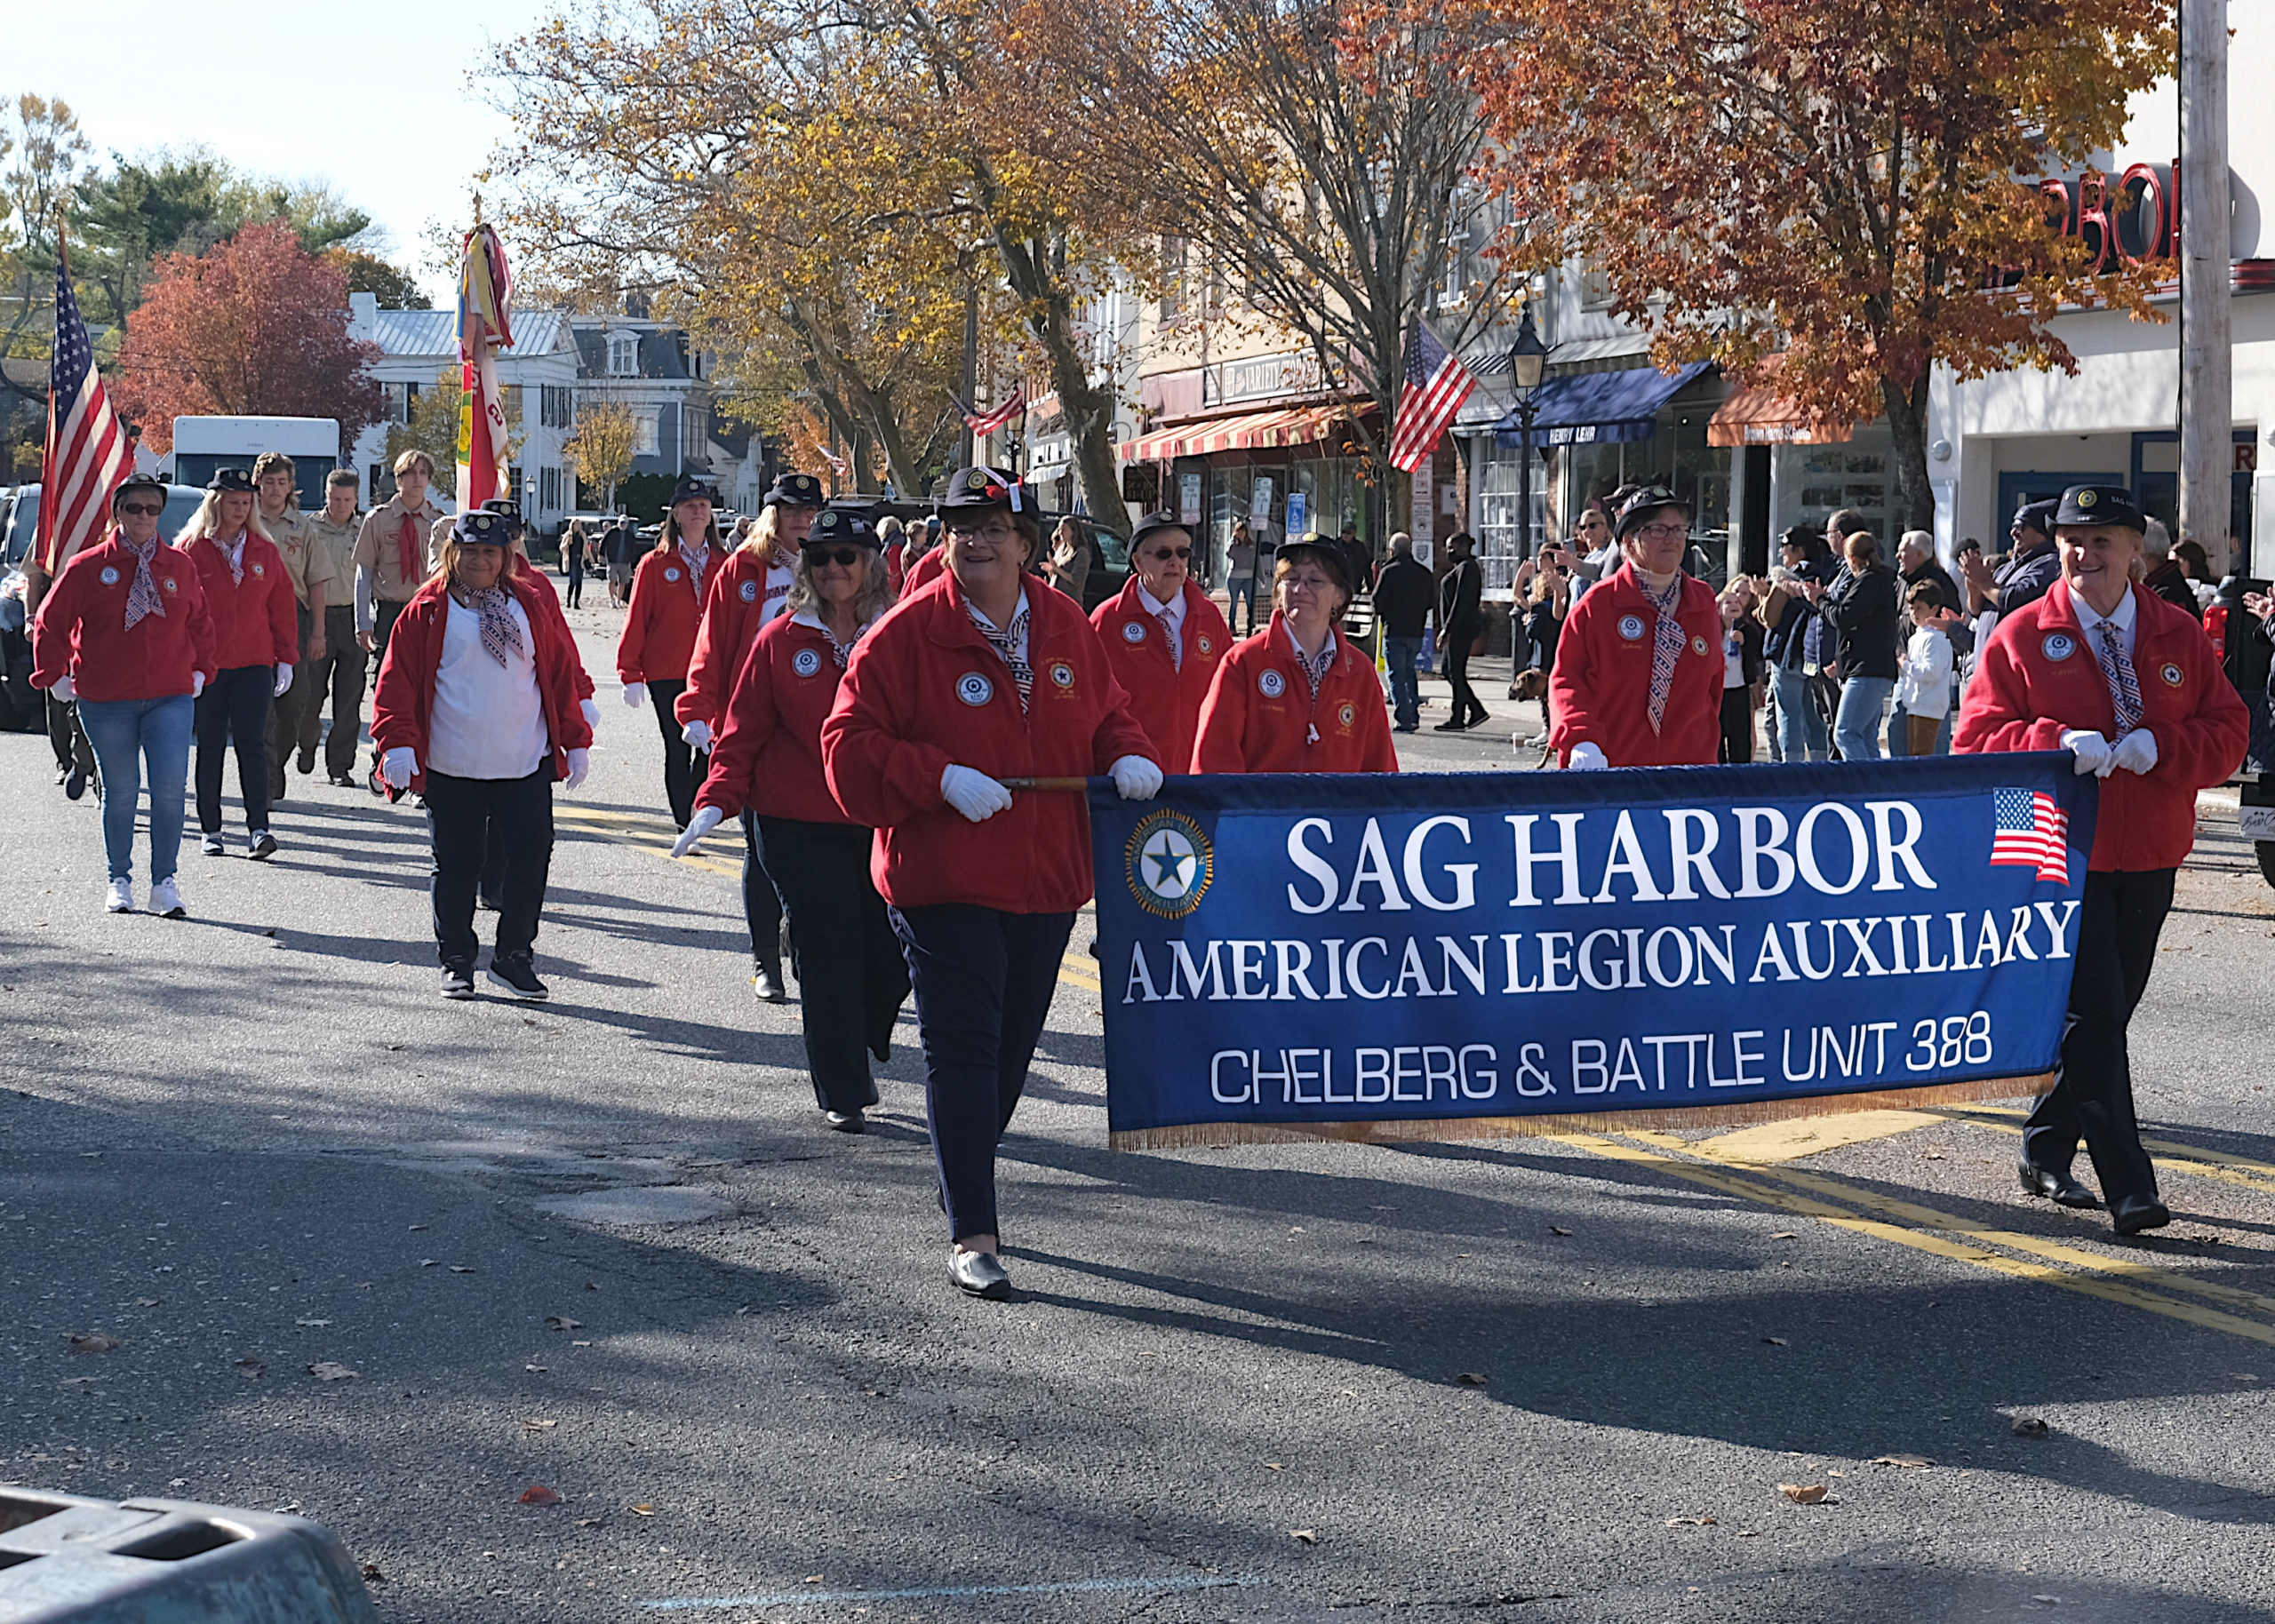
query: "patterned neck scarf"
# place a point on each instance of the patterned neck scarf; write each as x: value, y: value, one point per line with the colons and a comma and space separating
x: 501, y: 634
x: 1315, y: 666
x: 2124, y: 684
x: 1006, y: 644
x: 142, y: 596
x: 698, y: 558
x: 235, y: 556
x: 1666, y: 642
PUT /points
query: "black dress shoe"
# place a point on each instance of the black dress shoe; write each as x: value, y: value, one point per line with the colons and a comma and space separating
x: 2059, y: 1188
x: 75, y: 784
x: 1450, y: 725
x: 2134, y: 1213
x: 978, y: 1274
x: 845, y: 1121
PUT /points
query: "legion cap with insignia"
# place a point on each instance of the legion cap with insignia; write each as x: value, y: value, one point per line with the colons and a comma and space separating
x: 693, y: 490
x: 2101, y: 504
x: 795, y: 490
x: 1151, y: 522
x: 507, y: 508
x: 1325, y: 551
x: 2036, y: 516
x: 137, y: 481
x: 977, y: 489
x: 482, y: 527
x: 1646, y: 500
x: 835, y: 524
x: 231, y: 479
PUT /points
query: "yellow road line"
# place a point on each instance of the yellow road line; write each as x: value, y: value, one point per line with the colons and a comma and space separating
x: 1912, y: 1213
x: 1784, y: 1141
x: 624, y: 830
x: 2168, y: 1154
x: 1808, y: 1206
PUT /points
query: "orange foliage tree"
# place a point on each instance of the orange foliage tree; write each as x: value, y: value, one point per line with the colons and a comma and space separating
x: 254, y: 326
x: 1851, y: 182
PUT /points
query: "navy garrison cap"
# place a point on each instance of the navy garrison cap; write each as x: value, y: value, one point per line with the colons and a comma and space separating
x: 2101, y: 504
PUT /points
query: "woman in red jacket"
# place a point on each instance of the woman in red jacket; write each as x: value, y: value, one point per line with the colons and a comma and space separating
x: 2131, y: 686
x: 1164, y: 637
x: 744, y: 594
x: 1297, y: 698
x: 476, y: 709
x: 256, y: 638
x: 981, y: 677
x: 767, y: 767
x: 653, y: 650
x: 124, y: 630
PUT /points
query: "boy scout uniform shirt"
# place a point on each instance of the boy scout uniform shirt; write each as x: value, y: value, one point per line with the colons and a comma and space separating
x: 375, y: 550
x: 305, y: 560
x: 336, y: 543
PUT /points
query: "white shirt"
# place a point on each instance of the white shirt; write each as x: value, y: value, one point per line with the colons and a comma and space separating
x: 2127, y: 614
x: 1171, y: 614
x: 487, y: 721
x: 779, y: 577
x: 1925, y: 687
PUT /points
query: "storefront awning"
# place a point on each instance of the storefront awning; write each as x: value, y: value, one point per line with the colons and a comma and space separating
x: 1756, y: 414
x: 1250, y: 431
x: 1598, y: 407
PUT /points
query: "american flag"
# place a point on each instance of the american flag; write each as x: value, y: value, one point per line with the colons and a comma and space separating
x: 985, y: 423
x: 88, y: 453
x: 1436, y: 386
x: 2029, y: 830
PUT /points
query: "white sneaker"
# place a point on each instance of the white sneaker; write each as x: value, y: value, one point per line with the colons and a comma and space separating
x: 121, y: 899
x: 165, y: 900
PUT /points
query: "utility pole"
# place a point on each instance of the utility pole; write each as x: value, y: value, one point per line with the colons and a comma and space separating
x: 970, y: 401
x: 2206, y: 236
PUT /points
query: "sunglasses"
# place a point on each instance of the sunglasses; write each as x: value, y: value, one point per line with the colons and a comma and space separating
x: 844, y: 557
x: 1170, y: 552
x: 147, y: 509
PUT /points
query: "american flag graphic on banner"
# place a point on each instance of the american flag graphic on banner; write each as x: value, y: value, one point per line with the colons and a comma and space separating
x: 88, y: 453
x: 1436, y: 386
x: 2029, y: 830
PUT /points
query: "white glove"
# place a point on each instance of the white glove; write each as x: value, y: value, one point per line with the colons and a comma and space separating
x: 974, y: 794
x: 196, y: 683
x: 592, y: 710
x: 636, y: 693
x: 1135, y: 778
x: 64, y: 690
x: 397, y: 766
x: 580, y: 765
x: 2136, y: 751
x: 1586, y: 758
x: 698, y: 733
x: 706, y: 819
x: 283, y: 679
x: 2092, y: 751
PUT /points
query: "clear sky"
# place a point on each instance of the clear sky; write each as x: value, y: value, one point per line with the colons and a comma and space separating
x: 372, y: 99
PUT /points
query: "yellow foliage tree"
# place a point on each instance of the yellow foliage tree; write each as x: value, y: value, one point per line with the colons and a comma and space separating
x: 603, y: 447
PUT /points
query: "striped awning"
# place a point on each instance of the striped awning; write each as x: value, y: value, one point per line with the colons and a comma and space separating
x: 1250, y: 431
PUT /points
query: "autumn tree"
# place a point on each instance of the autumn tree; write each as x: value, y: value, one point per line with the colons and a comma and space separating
x: 1850, y: 184
x: 603, y: 447
x: 256, y: 325
x: 367, y: 273
x: 46, y: 155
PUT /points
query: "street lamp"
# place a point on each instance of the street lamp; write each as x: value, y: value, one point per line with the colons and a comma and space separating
x: 1528, y: 359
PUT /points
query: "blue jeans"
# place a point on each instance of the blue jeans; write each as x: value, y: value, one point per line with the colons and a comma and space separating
x: 125, y: 733
x: 1899, y: 733
x: 1400, y: 653
x: 1241, y: 590
x: 1857, y: 725
x: 1801, y: 729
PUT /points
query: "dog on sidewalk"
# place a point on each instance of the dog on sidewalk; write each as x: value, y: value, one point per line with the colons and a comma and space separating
x: 1532, y: 683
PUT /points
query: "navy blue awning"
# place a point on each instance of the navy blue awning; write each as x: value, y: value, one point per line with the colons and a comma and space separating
x: 1598, y: 407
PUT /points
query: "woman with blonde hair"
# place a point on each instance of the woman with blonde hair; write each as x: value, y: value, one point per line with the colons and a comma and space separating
x: 256, y: 641
x: 747, y: 593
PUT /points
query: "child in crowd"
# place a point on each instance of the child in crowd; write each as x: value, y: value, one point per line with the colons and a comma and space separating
x: 1924, y: 689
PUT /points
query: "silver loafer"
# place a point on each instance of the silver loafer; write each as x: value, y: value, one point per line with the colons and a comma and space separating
x: 979, y: 1274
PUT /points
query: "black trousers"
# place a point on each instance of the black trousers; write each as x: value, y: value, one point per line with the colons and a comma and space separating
x: 340, y: 674
x: 287, y: 709
x: 67, y: 739
x: 1459, y: 642
x: 383, y: 614
x: 984, y: 982
x: 466, y: 819
x: 234, y: 710
x: 1737, y: 725
x: 2092, y: 1096
x: 683, y: 764
x: 851, y: 978
x: 762, y: 900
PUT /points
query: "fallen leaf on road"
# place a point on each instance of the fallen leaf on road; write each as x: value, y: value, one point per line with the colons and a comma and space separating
x: 540, y: 1496
x: 812, y: 1579
x: 1690, y: 1522
x: 580, y: 1345
x: 428, y: 1262
x: 588, y: 1522
x: 1902, y: 1461
x: 1303, y: 1536
x: 96, y: 1342
x: 327, y: 1369
x: 540, y: 1426
x: 1558, y: 1230
x: 249, y: 1367
x: 1275, y: 1465
x: 147, y: 1302
x: 1748, y: 1534
x: 1802, y: 1493
x: 372, y: 1571
x: 1935, y: 1156
x: 1469, y: 1378
x: 561, y: 1322
x: 1783, y: 1235
x: 461, y: 1269
x: 538, y: 1369
x: 2030, y: 1426
x: 2047, y: 1601
x: 1776, y: 1341
x: 641, y: 1510
x: 417, y: 1227
x: 312, y: 1322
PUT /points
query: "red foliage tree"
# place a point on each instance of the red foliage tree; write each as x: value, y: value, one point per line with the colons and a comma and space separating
x: 255, y: 326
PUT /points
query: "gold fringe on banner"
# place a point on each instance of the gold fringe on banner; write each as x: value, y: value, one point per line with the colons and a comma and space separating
x: 1208, y: 1135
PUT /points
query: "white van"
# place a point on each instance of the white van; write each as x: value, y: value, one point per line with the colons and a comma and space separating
x: 203, y: 444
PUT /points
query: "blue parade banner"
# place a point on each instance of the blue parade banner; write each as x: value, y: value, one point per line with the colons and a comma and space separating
x: 1424, y: 956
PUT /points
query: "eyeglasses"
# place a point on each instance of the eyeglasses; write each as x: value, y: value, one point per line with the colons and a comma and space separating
x: 147, y: 509
x: 997, y: 530
x: 1166, y: 554
x: 844, y: 557
x: 1661, y: 532
x: 1593, y: 522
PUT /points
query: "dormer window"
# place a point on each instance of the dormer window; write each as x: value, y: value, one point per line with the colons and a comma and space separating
x: 623, y: 356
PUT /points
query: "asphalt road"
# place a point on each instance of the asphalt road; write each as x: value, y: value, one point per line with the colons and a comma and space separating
x: 603, y: 1246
